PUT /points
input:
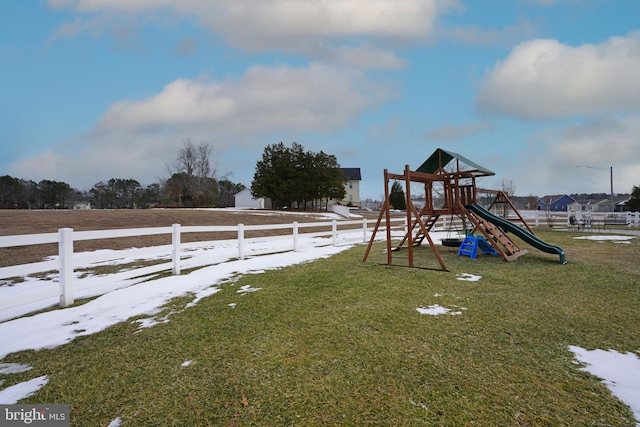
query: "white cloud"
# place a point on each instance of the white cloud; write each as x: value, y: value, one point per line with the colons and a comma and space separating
x: 98, y: 159
x: 550, y: 163
x: 609, y: 139
x: 361, y: 57
x: 475, y: 36
x: 43, y: 166
x: 137, y: 138
x: 281, y: 19
x: 68, y: 30
x: 544, y: 79
x: 123, y: 30
x: 314, y: 98
x: 350, y: 31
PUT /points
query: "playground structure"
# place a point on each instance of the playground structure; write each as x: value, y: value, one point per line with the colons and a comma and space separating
x: 454, y: 178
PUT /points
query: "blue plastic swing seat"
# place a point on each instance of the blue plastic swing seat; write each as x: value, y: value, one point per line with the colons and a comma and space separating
x: 470, y: 245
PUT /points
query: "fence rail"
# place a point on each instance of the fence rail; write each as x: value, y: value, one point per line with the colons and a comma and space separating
x: 596, y: 221
x: 67, y: 261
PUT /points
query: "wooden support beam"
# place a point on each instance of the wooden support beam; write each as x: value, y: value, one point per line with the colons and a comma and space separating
x: 407, y: 193
x: 434, y: 249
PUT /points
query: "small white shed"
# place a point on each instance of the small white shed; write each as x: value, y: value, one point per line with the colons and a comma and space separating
x: 244, y: 199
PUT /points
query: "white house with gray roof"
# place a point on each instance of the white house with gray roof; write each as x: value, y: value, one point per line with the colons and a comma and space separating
x: 351, y: 186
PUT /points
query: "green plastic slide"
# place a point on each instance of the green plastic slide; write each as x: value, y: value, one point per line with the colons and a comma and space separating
x: 518, y: 231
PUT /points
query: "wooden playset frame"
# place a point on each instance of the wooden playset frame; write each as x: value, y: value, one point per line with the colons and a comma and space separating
x: 459, y: 194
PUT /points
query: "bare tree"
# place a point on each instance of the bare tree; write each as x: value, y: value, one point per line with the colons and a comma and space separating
x: 194, y: 173
x: 509, y: 188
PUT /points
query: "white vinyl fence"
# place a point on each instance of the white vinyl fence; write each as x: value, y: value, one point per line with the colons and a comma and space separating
x: 596, y: 222
x: 69, y: 283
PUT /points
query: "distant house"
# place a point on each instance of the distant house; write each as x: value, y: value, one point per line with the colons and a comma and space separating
x: 352, y: 186
x: 582, y: 203
x: 621, y: 202
x: 81, y: 205
x: 556, y: 203
x: 579, y: 205
x: 244, y: 199
x: 601, y: 205
x: 524, y: 203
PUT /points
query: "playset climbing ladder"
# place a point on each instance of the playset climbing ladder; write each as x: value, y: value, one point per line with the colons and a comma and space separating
x: 500, y: 240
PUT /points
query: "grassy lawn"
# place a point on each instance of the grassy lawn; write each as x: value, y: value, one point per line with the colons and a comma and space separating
x: 340, y: 342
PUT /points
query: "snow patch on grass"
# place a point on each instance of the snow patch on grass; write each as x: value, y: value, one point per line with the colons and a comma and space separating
x: 436, y: 310
x: 620, y: 372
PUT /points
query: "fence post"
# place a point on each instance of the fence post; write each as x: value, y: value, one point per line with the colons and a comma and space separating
x: 175, y: 241
x: 240, y: 241
x: 364, y: 230
x: 65, y: 255
x: 295, y: 236
x: 334, y: 232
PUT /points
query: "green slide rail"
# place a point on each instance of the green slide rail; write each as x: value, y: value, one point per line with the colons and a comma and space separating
x: 518, y: 231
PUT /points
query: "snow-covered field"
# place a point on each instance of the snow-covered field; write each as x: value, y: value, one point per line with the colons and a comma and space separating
x: 620, y: 372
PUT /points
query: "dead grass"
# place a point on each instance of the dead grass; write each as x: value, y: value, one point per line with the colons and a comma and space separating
x: 15, y: 222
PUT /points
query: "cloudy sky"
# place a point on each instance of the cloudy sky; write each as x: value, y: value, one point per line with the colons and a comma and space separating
x: 531, y: 89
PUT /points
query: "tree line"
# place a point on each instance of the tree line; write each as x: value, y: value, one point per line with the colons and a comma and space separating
x: 290, y: 176
x: 27, y: 194
x: 191, y: 183
x: 116, y: 193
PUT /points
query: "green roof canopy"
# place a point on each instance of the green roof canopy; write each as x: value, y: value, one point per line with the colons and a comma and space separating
x: 440, y: 158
